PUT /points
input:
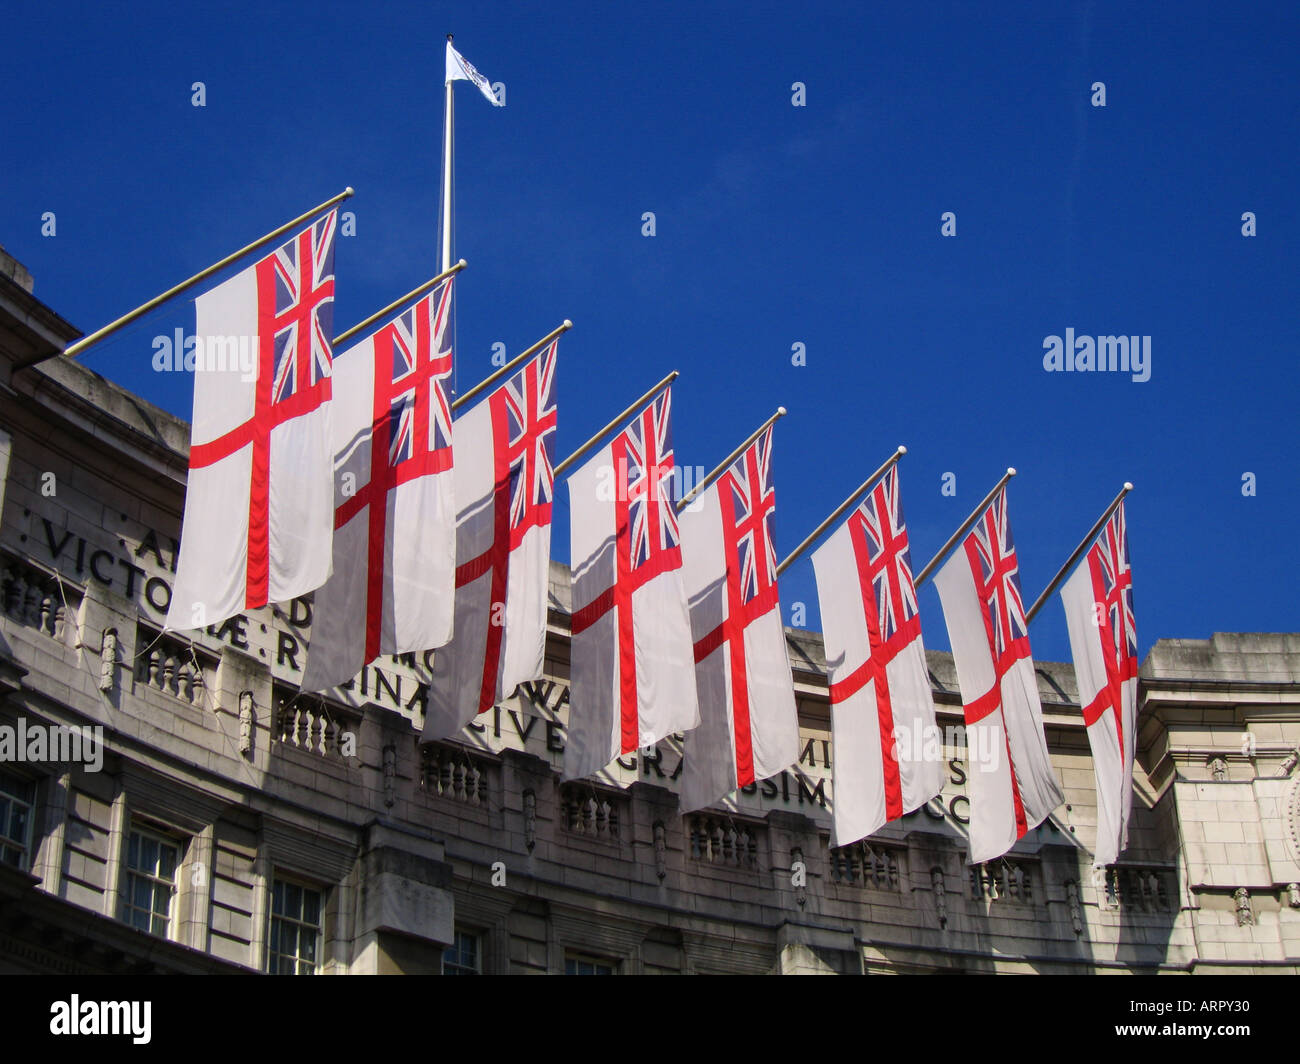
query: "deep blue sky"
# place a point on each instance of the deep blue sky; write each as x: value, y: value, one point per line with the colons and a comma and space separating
x: 776, y: 224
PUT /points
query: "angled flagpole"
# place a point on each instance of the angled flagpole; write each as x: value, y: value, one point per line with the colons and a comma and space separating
x: 726, y: 462
x: 414, y: 293
x: 497, y: 374
x: 73, y: 350
x: 1083, y: 545
x: 817, y: 532
x: 615, y: 422
x: 965, y: 527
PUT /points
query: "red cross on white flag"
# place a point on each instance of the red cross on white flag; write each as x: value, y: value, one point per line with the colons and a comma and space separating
x: 887, y: 757
x: 259, y: 519
x: 505, y: 455
x: 632, y: 681
x: 395, y: 518
x: 1012, y: 785
x: 1098, y: 602
x: 749, y: 726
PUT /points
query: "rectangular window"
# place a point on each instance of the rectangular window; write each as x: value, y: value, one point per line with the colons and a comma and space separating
x: 582, y: 964
x: 464, y: 956
x: 151, y: 862
x: 294, y: 945
x: 17, y: 800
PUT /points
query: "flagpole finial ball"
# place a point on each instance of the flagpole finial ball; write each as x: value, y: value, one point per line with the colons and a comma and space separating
x: 462, y: 264
x: 1011, y: 471
x: 781, y: 411
x: 902, y: 449
x: 1128, y: 486
x: 568, y: 324
x: 349, y: 191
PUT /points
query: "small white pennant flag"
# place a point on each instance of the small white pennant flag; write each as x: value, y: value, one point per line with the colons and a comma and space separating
x: 461, y: 69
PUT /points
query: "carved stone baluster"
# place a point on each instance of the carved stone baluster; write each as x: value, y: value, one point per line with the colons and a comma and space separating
x: 475, y: 776
x: 46, y: 615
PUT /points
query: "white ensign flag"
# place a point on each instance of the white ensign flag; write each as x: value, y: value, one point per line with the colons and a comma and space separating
x: 1098, y: 602
x: 633, y: 666
x: 749, y: 726
x: 505, y: 453
x: 259, y: 501
x: 1012, y: 785
x: 888, y: 758
x: 394, y: 575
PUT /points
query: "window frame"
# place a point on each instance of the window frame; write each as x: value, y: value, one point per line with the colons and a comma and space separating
x: 273, y: 954
x: 23, y: 847
x: 480, y: 940
x: 595, y: 960
x: 149, y: 832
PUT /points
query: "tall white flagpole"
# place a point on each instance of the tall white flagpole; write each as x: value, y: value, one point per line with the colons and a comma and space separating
x: 444, y: 261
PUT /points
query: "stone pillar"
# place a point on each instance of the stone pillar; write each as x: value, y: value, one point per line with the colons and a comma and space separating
x: 48, y: 859
x: 405, y: 911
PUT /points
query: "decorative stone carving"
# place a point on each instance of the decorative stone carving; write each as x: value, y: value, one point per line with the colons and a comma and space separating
x: 1293, y: 895
x: 390, y: 774
x: 1289, y: 763
x: 1245, y: 917
x: 661, y: 849
x: 1218, y: 769
x: 941, y: 906
x: 530, y: 819
x: 108, y: 661
x: 1076, y: 909
x: 246, y: 723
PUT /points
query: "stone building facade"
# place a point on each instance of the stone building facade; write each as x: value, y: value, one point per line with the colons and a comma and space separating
x: 228, y: 823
